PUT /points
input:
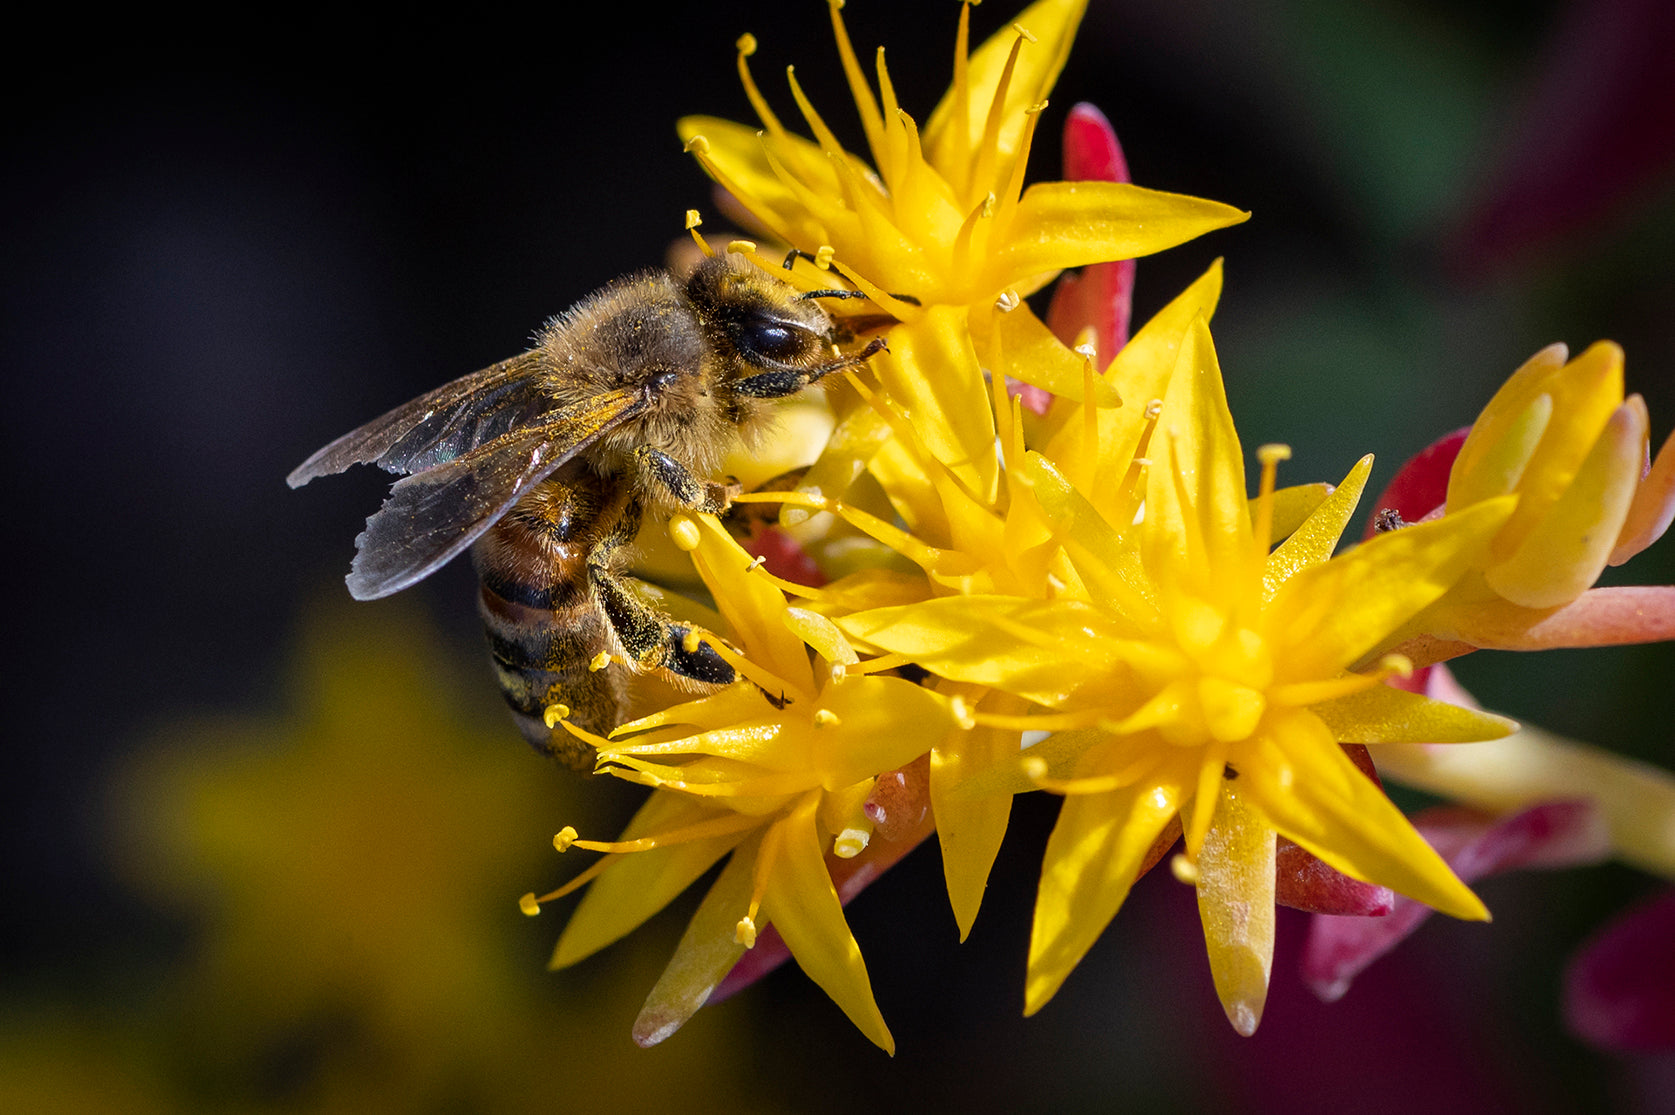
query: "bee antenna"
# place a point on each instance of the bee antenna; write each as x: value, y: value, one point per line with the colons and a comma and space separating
x: 808, y: 294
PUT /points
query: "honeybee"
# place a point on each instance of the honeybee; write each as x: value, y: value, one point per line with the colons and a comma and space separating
x: 543, y: 465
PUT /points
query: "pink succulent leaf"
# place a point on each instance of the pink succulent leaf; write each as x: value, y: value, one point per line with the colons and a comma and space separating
x: 1421, y: 485
x: 1475, y: 845
x: 1600, y: 617
x: 900, y: 810
x: 1619, y: 991
x: 1102, y: 295
x: 1037, y: 399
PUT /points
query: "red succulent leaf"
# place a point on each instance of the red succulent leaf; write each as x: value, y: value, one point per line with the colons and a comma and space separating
x: 1619, y: 991
x: 1421, y: 485
x: 1305, y: 882
x: 784, y: 558
x: 1550, y: 834
x: 1102, y: 295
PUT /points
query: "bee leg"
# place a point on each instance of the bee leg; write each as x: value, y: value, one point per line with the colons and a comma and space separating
x: 788, y: 381
x: 654, y: 642
x: 749, y: 521
x: 687, y: 489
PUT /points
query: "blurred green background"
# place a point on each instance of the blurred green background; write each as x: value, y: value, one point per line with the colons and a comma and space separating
x: 263, y: 846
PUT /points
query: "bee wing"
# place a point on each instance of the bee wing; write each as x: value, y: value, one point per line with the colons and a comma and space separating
x: 441, y: 425
x: 431, y: 516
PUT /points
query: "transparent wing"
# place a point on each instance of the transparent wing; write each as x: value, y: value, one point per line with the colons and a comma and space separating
x: 432, y: 516
x: 441, y: 425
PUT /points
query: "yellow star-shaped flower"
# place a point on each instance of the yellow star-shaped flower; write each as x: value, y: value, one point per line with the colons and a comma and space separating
x: 1208, y: 678
x: 943, y: 230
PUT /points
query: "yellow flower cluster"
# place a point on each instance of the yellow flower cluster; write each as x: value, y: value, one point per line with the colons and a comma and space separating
x: 1090, y: 603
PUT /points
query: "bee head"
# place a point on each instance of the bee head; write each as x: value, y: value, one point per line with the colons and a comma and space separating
x: 758, y: 320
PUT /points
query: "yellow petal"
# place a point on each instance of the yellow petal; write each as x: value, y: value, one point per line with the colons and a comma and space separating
x: 1385, y: 714
x: 882, y: 723
x: 1653, y: 508
x: 706, y: 953
x: 1105, y: 557
x: 753, y: 606
x: 1308, y: 789
x: 1031, y: 354
x: 1196, y: 524
x: 1235, y: 872
x: 969, y: 827
x: 1092, y: 858
x: 1315, y: 539
x: 1332, y: 614
x: 1043, y: 650
x: 1498, y: 465
x: 857, y: 437
x: 955, y: 130
x: 1293, y: 506
x: 1565, y: 551
x: 641, y: 883
x: 1071, y: 224
x: 933, y: 373
x: 1139, y: 373
x: 1585, y: 393
x: 802, y: 905
x: 734, y: 156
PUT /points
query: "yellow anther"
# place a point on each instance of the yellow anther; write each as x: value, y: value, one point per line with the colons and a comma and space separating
x: 599, y: 661
x: 988, y: 207
x: 1036, y: 109
x: 693, y: 220
x: 684, y: 533
x: 1396, y: 665
x: 756, y: 563
x: 690, y: 642
x: 528, y: 905
x: 823, y: 256
x: 1273, y: 453
x: 826, y: 718
x: 565, y: 837
x: 962, y: 713
x: 1034, y: 767
x: 1184, y: 869
x: 850, y: 843
x: 556, y: 714
x: 1008, y: 301
x: 697, y: 145
x: 746, y: 44
x: 741, y: 247
x: 1025, y: 32
x: 1086, y: 351
x: 745, y: 933
x: 1154, y: 408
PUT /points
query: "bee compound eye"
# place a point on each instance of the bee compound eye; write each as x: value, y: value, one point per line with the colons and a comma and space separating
x: 771, y: 339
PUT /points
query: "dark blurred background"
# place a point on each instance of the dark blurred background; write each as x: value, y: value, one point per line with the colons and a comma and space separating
x: 263, y: 846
